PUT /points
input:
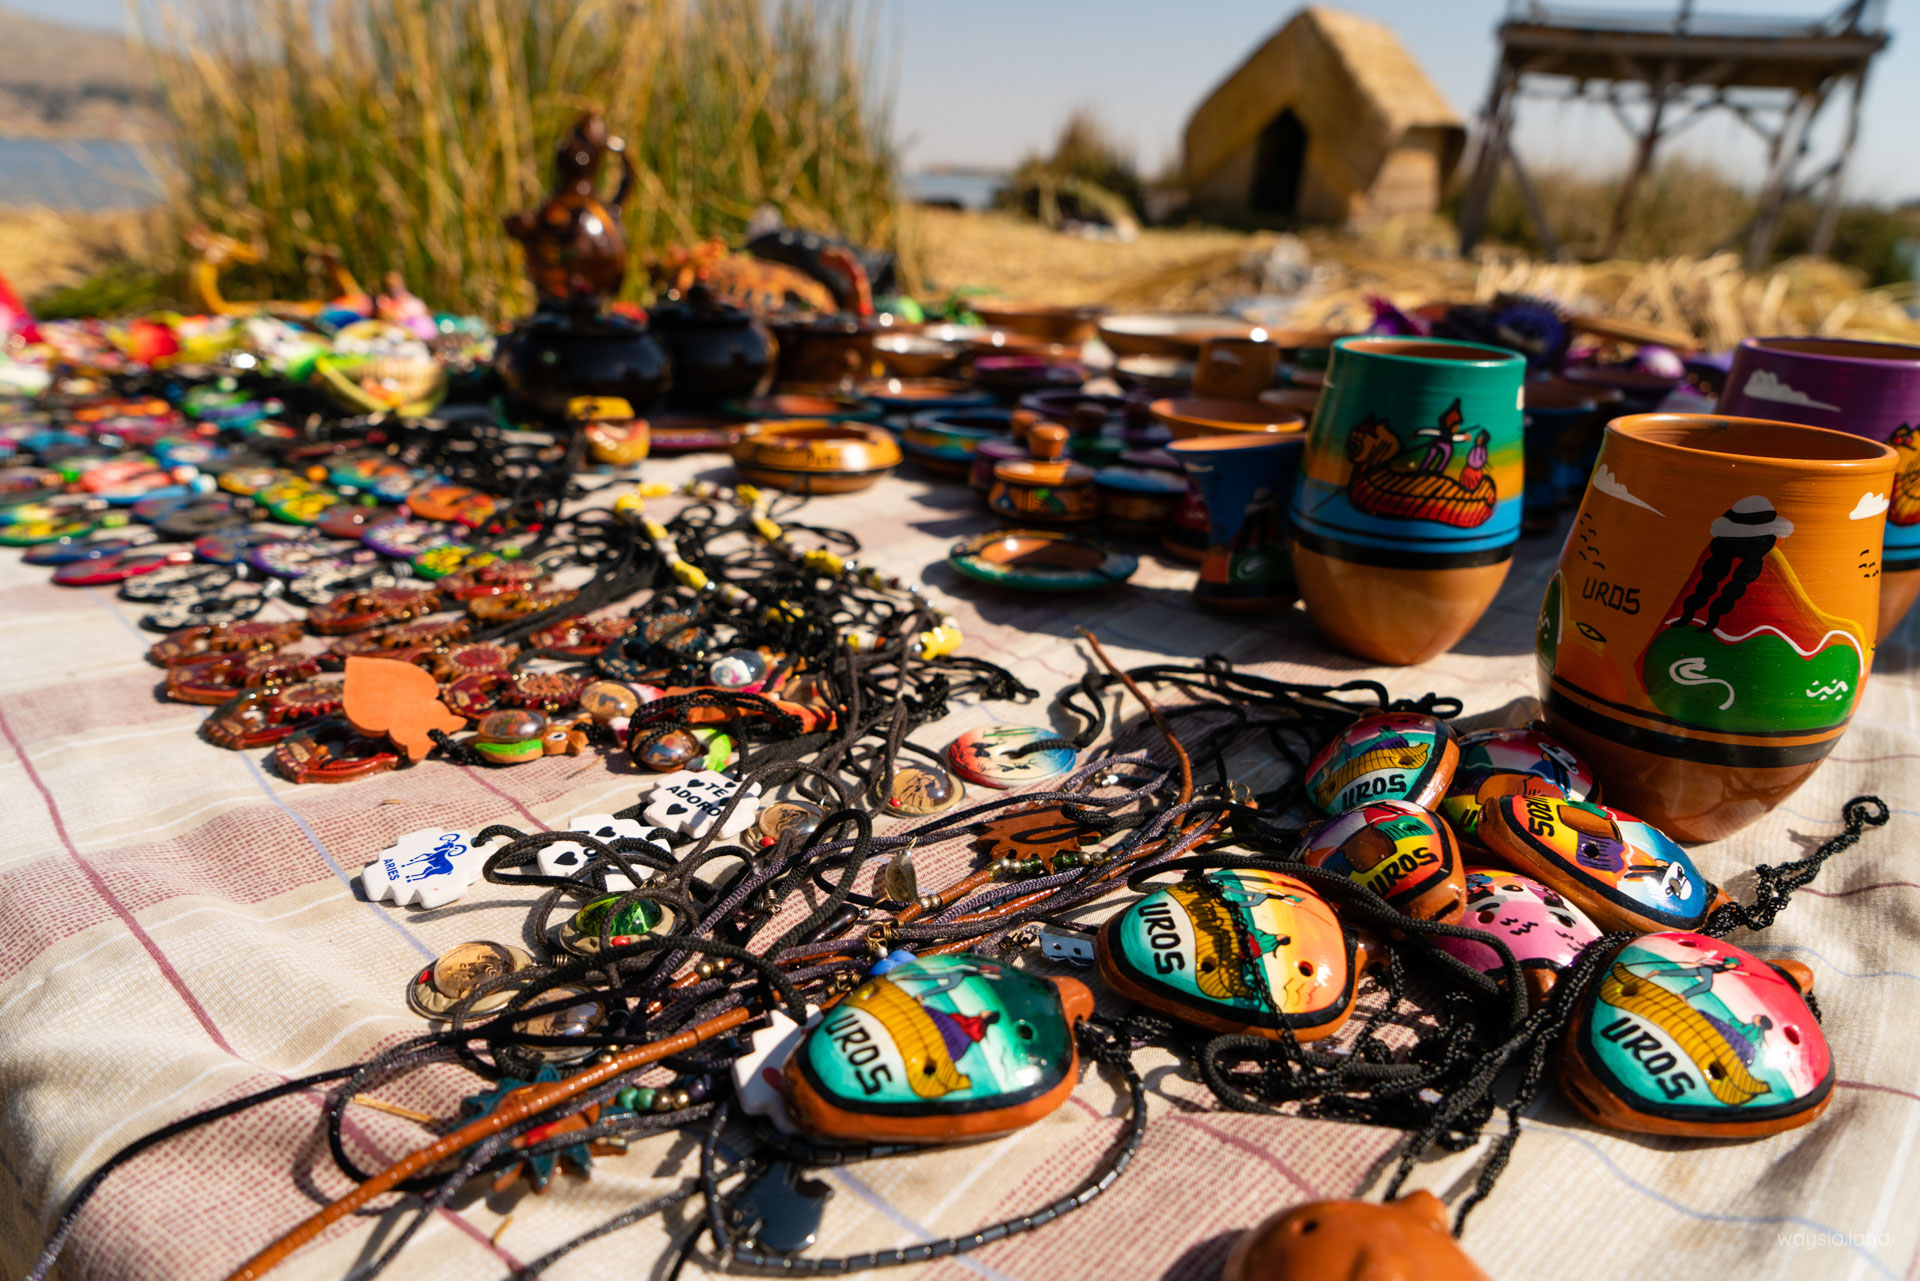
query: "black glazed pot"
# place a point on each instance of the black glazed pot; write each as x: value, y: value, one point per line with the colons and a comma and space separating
x: 719, y: 352
x: 553, y: 357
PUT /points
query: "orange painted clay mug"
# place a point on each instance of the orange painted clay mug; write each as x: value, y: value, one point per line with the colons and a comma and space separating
x: 1705, y: 639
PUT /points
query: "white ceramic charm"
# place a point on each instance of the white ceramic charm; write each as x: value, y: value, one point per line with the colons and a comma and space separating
x: 566, y: 858
x: 688, y: 801
x: 757, y: 1073
x: 429, y: 868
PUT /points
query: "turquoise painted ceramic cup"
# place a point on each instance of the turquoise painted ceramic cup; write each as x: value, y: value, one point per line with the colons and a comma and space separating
x: 1409, y: 498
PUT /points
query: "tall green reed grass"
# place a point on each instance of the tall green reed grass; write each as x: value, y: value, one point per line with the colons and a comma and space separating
x: 401, y: 131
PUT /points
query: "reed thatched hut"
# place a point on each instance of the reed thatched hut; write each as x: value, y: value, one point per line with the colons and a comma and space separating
x: 1331, y: 120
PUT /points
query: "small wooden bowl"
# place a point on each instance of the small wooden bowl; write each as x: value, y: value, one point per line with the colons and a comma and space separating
x: 815, y: 455
x: 1194, y: 417
x: 1052, y: 322
x: 1178, y: 336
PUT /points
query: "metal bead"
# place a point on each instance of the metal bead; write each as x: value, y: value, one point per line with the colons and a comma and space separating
x: 681, y: 1099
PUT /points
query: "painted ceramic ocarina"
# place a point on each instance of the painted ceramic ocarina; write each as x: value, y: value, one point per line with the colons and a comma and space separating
x: 1527, y: 762
x: 1544, y: 931
x: 1237, y: 950
x: 1383, y: 756
x: 938, y: 1049
x: 1406, y: 1240
x: 1401, y: 852
x: 1625, y: 874
x: 1688, y: 1035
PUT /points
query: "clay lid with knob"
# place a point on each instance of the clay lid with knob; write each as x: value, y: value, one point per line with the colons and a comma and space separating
x: 1049, y: 464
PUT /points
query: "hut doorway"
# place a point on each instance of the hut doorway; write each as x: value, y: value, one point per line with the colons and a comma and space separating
x: 1279, y: 159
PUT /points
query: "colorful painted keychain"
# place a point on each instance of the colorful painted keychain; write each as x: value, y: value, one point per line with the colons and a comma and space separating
x: 1383, y: 756
x: 1238, y: 950
x: 1405, y: 854
x: 1688, y: 1035
x: 937, y: 1049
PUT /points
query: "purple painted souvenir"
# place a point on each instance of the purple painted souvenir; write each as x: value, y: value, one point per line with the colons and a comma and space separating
x: 1871, y: 389
x: 229, y: 546
x: 293, y: 558
x: 405, y: 539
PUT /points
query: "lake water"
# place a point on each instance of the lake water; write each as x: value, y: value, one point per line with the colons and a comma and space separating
x: 73, y: 175
x: 104, y: 175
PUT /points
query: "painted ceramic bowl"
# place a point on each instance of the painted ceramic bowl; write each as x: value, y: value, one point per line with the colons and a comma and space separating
x: 1040, y: 560
x: 691, y: 433
x: 815, y: 455
x: 916, y: 395
x: 1053, y: 322
x: 1293, y: 400
x: 983, y: 340
x: 1137, y: 502
x: 1154, y: 375
x: 945, y: 442
x: 1177, y: 336
x: 917, y: 355
x: 1011, y: 377
x: 1641, y: 390
x: 806, y: 402
x: 1191, y: 418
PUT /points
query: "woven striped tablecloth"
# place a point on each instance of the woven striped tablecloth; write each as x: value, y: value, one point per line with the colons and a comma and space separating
x: 179, y: 926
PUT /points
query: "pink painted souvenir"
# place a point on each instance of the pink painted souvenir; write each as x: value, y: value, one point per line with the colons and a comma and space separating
x: 1545, y: 932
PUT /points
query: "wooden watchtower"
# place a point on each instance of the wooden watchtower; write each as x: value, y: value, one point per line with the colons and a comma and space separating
x: 1659, y: 73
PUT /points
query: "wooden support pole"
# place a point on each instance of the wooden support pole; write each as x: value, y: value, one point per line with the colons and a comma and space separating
x: 1822, y: 243
x: 1642, y: 160
x: 1486, y: 162
x: 1789, y: 144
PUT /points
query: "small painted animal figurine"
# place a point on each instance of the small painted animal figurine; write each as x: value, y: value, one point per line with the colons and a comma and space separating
x: 1406, y: 1240
x: 217, y: 251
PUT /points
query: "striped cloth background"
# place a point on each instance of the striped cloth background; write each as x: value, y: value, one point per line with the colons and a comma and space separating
x: 179, y: 927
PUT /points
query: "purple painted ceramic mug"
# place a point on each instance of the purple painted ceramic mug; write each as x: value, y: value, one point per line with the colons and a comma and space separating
x: 1871, y: 389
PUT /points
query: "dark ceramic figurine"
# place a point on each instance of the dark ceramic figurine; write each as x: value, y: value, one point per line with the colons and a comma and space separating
x: 576, y: 258
x: 576, y: 254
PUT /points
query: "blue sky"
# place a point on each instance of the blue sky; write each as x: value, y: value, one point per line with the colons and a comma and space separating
x: 980, y: 82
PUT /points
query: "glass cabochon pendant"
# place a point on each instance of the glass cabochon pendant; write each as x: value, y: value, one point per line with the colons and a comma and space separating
x: 1235, y: 951
x: 1625, y: 874
x: 1688, y: 1035
x: 1406, y: 855
x: 938, y: 1049
x: 1383, y: 756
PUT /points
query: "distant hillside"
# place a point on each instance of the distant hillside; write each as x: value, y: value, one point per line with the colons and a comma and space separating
x: 69, y: 82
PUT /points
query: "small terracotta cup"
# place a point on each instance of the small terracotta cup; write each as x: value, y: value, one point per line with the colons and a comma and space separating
x: 1706, y: 637
x: 1871, y: 389
x: 1235, y: 368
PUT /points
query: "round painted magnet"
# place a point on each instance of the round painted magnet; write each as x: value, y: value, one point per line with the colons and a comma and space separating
x: 1004, y: 756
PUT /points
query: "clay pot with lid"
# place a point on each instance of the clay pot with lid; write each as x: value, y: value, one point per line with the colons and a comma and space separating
x: 825, y: 351
x: 1047, y: 488
x: 719, y: 352
x: 1705, y: 639
x: 1871, y: 389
